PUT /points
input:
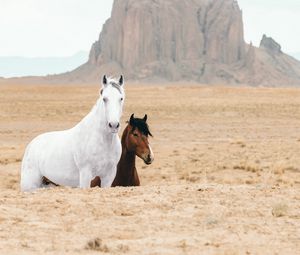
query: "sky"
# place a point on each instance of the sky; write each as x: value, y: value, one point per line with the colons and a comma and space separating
x: 279, y: 19
x: 43, y: 28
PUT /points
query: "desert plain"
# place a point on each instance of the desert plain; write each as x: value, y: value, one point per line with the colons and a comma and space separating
x: 225, y: 179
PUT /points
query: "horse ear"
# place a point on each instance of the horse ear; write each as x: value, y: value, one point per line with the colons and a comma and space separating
x: 145, y: 118
x: 131, y: 119
x: 104, y: 80
x: 121, y: 81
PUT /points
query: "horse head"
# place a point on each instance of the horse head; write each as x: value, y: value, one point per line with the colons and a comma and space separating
x: 112, y: 98
x: 137, y: 139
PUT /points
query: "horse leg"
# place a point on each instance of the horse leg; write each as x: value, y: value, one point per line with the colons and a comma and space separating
x: 31, y: 179
x: 107, y: 180
x: 85, y: 179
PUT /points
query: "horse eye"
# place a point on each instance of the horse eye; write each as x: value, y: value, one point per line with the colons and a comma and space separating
x: 105, y: 99
x: 122, y: 98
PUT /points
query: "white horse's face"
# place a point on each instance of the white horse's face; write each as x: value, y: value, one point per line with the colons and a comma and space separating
x: 113, y: 99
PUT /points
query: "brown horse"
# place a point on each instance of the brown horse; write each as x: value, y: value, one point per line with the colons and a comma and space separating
x: 134, y: 143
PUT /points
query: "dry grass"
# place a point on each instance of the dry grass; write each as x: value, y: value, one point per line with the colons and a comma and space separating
x: 97, y: 245
x: 249, y: 167
x: 226, y: 160
x: 279, y: 210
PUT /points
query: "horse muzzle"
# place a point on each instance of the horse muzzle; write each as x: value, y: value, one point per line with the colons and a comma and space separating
x: 114, y: 127
x: 114, y: 131
x: 148, y: 159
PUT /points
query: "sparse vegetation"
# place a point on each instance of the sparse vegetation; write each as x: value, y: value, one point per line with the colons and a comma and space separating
x: 254, y: 168
x: 279, y: 210
x: 97, y: 245
x: 240, y: 143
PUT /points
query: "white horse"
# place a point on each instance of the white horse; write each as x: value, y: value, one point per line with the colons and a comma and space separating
x: 76, y: 156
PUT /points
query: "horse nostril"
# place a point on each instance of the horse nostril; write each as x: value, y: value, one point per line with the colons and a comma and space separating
x: 149, y: 159
x: 114, y: 125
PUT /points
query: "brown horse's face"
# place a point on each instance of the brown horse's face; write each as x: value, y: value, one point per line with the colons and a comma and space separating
x: 138, y: 142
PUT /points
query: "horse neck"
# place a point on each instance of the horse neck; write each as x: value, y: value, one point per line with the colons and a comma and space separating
x: 94, y: 124
x: 127, y: 156
x: 126, y: 166
x: 126, y: 171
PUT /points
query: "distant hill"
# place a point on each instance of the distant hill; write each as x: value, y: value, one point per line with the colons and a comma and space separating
x: 20, y: 66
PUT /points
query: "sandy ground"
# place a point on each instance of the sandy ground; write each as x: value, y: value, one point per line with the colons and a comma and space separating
x: 225, y: 180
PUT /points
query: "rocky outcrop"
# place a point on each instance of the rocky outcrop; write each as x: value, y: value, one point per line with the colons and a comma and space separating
x: 268, y: 66
x: 171, y: 40
x: 140, y: 32
x: 269, y: 44
x: 250, y: 57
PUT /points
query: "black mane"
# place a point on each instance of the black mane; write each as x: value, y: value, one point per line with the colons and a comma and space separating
x: 141, y: 125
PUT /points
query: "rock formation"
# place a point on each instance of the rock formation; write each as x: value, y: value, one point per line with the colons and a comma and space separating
x: 270, y: 44
x: 191, y: 40
x: 269, y: 66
